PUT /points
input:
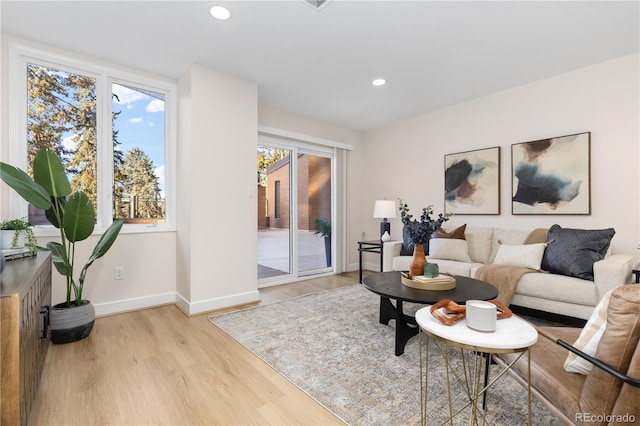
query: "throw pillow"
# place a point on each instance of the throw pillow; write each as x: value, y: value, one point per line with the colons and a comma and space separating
x: 573, y: 252
x: 527, y: 256
x: 449, y: 249
x: 457, y: 233
x: 408, y: 245
x: 589, y: 338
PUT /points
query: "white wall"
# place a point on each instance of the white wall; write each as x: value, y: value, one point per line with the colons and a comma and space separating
x: 217, y: 238
x: 149, y: 272
x: 408, y: 156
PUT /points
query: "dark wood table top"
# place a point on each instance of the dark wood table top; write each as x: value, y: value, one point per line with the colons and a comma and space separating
x: 389, y: 284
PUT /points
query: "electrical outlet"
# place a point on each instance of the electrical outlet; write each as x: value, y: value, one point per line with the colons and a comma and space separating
x: 118, y: 273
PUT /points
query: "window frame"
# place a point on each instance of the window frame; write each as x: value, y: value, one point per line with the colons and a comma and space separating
x: 19, y: 56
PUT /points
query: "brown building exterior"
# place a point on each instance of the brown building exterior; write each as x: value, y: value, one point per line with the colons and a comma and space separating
x: 314, y: 193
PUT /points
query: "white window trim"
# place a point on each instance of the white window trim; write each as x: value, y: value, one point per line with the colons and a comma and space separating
x: 19, y: 56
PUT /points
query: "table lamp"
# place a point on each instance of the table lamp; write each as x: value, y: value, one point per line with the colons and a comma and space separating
x: 384, y: 209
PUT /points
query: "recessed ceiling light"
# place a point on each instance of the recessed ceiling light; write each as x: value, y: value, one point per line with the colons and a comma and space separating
x: 220, y: 12
x: 379, y: 82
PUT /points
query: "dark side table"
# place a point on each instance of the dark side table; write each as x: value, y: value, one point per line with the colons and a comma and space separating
x: 373, y: 246
x: 635, y: 272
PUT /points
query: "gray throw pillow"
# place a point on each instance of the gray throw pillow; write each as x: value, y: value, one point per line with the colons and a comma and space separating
x: 573, y: 252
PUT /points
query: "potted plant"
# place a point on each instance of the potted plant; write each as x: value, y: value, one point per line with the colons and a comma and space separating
x: 419, y: 232
x: 17, y: 234
x: 323, y: 228
x: 74, y: 216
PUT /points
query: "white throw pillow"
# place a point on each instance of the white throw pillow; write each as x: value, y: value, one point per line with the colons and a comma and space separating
x: 449, y: 249
x: 526, y: 255
x: 589, y: 338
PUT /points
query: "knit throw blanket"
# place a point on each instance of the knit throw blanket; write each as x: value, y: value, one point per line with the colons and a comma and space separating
x: 506, y: 277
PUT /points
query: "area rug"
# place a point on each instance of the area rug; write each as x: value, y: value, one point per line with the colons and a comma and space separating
x: 332, y: 346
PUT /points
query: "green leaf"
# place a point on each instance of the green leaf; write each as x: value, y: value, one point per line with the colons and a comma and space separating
x: 103, y: 245
x: 56, y: 204
x: 79, y: 217
x: 29, y: 190
x: 49, y: 172
x: 59, y: 258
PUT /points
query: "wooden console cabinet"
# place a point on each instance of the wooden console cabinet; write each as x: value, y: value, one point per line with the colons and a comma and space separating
x: 25, y: 298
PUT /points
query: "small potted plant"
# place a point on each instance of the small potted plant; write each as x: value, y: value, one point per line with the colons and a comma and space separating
x: 17, y: 234
x: 323, y: 228
x: 420, y: 231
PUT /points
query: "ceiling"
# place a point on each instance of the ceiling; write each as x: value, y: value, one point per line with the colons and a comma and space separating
x: 320, y: 63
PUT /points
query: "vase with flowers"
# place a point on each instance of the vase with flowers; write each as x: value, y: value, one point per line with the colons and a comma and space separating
x: 419, y: 232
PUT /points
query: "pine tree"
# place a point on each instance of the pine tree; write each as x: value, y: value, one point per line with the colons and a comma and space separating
x: 47, y: 111
x: 141, y: 185
x: 83, y: 118
x: 62, y: 104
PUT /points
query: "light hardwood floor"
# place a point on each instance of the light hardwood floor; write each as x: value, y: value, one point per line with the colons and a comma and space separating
x: 159, y: 367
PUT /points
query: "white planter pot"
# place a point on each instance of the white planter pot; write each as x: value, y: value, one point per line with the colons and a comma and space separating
x: 6, y: 237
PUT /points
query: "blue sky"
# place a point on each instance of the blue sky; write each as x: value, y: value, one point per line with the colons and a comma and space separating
x: 141, y: 124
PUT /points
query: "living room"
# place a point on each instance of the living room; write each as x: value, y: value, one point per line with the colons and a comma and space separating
x: 197, y: 262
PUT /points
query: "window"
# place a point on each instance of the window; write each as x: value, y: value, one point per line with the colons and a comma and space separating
x: 113, y: 130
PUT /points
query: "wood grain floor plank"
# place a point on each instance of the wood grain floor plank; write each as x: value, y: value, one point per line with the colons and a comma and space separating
x: 159, y: 367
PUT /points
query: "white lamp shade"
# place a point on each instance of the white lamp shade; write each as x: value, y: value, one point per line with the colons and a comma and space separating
x: 384, y: 209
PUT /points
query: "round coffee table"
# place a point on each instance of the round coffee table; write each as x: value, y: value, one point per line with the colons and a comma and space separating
x: 389, y: 286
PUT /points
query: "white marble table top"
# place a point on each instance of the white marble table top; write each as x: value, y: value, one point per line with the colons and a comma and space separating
x: 511, y: 334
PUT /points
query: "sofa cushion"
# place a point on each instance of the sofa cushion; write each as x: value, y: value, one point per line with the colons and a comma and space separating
x: 527, y: 255
x: 560, y: 288
x: 479, y: 240
x: 505, y: 236
x: 449, y: 249
x: 573, y: 252
x: 589, y: 338
x: 453, y: 267
x: 457, y: 233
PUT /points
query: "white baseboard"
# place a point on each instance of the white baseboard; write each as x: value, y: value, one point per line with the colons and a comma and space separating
x: 192, y: 308
x: 119, y: 306
x: 189, y: 308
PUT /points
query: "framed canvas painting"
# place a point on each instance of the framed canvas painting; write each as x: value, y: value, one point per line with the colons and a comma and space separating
x: 472, y: 182
x: 552, y: 176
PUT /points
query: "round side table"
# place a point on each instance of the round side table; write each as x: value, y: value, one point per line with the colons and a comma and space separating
x: 511, y: 335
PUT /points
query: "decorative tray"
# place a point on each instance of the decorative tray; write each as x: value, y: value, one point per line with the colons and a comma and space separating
x: 441, y: 282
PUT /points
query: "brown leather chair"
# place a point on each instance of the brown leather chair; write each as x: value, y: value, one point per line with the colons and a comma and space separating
x: 610, y: 393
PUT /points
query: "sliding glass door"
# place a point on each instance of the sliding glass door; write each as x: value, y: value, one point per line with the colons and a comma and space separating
x: 314, y: 213
x: 295, y: 211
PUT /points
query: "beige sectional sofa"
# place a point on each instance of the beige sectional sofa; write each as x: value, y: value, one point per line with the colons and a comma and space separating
x: 543, y: 291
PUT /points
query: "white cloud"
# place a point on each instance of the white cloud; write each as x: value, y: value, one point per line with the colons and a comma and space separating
x: 126, y: 96
x: 155, y: 105
x: 136, y: 120
x: 150, y: 124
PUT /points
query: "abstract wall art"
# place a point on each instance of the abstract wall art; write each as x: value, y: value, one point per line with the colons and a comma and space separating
x: 552, y: 176
x: 472, y: 182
